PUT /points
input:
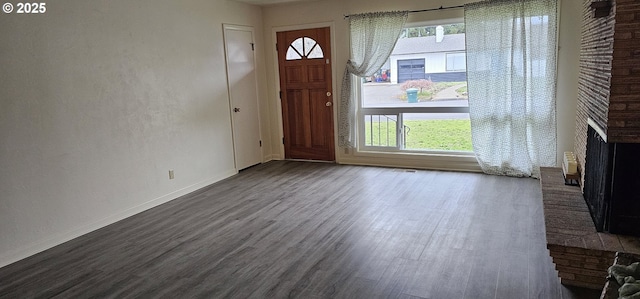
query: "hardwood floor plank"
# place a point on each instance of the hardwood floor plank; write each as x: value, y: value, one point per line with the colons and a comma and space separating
x: 513, y: 277
x: 483, y: 278
x: 541, y: 265
x: 288, y: 229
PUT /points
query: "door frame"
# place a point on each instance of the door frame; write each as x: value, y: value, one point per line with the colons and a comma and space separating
x: 251, y: 29
x: 276, y: 94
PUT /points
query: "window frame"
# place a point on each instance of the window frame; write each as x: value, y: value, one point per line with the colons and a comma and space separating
x: 305, y: 54
x: 362, y: 111
x: 454, y: 69
x: 398, y: 113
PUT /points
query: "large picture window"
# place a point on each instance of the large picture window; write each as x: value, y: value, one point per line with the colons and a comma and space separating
x: 422, y: 105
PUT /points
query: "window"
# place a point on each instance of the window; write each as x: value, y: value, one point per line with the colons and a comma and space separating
x: 304, y: 47
x: 423, y: 108
x: 456, y: 62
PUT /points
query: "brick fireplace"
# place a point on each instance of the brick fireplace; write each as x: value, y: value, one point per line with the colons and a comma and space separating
x: 608, y: 99
x: 581, y: 254
x: 609, y: 79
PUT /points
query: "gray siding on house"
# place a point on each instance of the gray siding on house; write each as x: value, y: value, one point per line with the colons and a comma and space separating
x: 447, y: 77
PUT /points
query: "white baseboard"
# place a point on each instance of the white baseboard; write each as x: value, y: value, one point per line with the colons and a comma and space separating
x: 268, y: 158
x: 29, y: 250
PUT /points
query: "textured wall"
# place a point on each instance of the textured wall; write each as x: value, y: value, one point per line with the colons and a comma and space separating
x: 596, y: 54
x: 624, y: 107
x: 98, y: 100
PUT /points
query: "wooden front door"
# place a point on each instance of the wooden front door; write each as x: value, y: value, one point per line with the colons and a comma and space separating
x: 304, y: 60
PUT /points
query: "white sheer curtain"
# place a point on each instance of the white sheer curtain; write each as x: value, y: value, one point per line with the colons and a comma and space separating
x: 511, y: 74
x: 373, y: 37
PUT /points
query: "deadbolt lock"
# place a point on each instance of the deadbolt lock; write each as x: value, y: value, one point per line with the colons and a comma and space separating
x: 328, y: 93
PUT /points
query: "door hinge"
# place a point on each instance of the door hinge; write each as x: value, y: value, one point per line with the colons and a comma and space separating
x: 282, y: 140
x: 260, y: 143
x: 252, y: 47
x: 281, y: 94
x: 276, y: 47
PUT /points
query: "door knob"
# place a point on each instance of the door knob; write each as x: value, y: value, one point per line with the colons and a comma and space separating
x: 236, y: 109
x: 328, y: 104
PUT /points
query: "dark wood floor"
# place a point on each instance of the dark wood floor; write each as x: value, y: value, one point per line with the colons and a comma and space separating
x: 311, y: 230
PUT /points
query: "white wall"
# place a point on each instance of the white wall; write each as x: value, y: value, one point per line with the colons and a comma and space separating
x: 568, y: 69
x: 436, y: 63
x: 333, y: 11
x: 98, y: 100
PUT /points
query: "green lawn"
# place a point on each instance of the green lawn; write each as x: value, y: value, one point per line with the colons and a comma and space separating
x: 446, y: 134
x: 442, y: 85
x: 439, y: 134
x: 381, y: 131
x: 427, y: 94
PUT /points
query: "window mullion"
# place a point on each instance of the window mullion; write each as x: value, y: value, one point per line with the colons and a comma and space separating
x: 400, y: 132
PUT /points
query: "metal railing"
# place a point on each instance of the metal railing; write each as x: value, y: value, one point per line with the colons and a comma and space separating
x: 384, y: 127
x: 381, y: 128
x: 384, y: 130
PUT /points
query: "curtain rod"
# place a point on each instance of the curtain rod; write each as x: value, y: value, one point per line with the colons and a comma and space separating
x: 424, y: 10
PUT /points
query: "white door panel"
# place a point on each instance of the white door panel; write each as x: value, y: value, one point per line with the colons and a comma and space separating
x: 243, y: 95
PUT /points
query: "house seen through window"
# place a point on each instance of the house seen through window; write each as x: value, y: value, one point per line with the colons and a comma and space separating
x: 418, y: 100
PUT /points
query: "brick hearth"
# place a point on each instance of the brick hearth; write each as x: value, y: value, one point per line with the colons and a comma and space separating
x: 581, y: 254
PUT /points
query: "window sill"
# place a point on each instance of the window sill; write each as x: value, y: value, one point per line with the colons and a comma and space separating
x: 451, y: 161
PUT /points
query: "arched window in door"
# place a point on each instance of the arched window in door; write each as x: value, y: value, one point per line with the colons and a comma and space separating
x: 304, y: 47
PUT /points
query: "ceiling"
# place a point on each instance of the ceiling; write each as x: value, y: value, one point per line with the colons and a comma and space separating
x: 270, y: 2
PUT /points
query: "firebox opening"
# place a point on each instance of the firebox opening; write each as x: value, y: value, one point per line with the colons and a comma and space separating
x: 612, y: 184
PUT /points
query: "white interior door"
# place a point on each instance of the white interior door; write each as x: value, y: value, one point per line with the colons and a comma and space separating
x: 243, y: 95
